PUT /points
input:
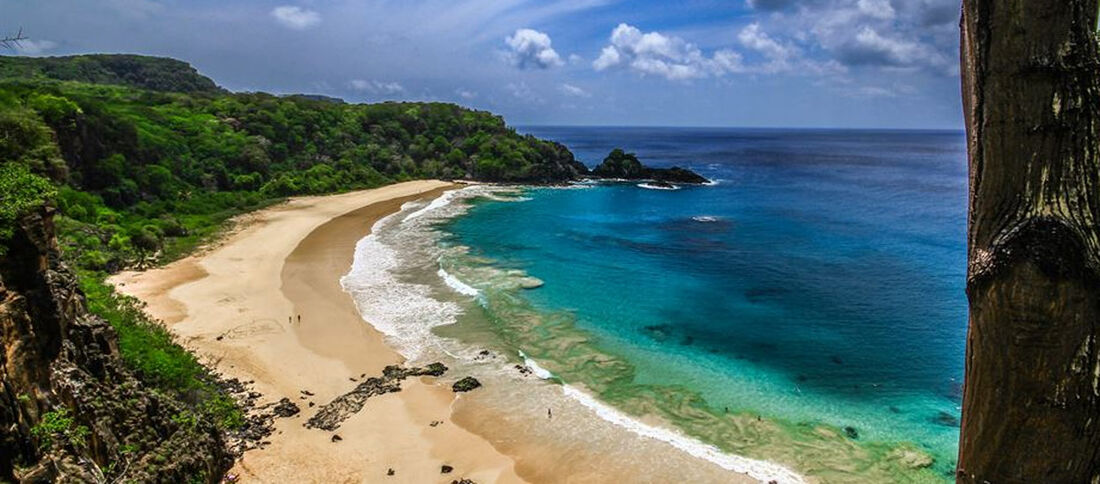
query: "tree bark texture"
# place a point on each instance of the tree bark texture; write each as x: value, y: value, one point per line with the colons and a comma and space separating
x: 1031, y: 403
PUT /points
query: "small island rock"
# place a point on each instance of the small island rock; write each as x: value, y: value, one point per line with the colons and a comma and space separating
x: 622, y: 165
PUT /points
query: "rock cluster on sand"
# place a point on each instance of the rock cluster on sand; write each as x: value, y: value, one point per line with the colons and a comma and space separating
x: 332, y: 414
x: 465, y: 384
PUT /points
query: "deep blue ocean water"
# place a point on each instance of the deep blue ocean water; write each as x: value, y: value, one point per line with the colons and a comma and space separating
x: 822, y: 279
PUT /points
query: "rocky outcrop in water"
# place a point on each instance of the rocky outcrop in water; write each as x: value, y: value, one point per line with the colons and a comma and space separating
x: 69, y: 409
x: 334, y: 413
x: 625, y: 166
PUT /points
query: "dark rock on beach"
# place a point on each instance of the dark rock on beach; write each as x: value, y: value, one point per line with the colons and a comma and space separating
x: 331, y: 415
x: 625, y: 166
x: 285, y: 408
x: 851, y: 432
x: 465, y: 384
x: 446, y: 469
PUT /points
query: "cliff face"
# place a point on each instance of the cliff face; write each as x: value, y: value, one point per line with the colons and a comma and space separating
x: 69, y: 410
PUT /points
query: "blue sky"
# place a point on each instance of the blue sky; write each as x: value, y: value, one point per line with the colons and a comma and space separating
x: 810, y: 63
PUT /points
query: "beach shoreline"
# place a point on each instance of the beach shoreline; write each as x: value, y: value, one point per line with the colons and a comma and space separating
x: 235, y: 305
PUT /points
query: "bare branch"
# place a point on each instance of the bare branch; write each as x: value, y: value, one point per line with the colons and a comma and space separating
x: 13, y: 41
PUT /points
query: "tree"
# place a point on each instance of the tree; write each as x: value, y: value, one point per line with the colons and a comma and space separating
x: 1031, y: 96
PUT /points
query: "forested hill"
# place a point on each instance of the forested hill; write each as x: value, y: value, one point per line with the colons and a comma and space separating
x: 153, y: 73
x: 139, y: 171
x: 143, y: 158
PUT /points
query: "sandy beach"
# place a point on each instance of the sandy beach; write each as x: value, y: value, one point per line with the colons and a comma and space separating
x: 236, y: 305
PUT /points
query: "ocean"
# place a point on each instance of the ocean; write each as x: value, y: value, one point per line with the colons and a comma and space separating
x: 807, y: 308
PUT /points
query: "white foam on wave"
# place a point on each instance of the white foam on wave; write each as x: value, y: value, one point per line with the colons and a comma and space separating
x: 456, y: 284
x: 497, y: 198
x: 441, y: 201
x: 657, y: 187
x: 705, y: 218
x: 404, y: 312
x: 760, y: 470
x: 537, y: 370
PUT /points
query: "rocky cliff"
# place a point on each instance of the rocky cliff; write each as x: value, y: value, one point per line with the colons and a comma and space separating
x: 69, y: 410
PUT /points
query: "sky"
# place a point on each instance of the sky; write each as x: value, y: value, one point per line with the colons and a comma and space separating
x: 744, y: 63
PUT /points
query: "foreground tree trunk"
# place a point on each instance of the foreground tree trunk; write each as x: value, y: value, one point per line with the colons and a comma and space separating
x: 1031, y: 404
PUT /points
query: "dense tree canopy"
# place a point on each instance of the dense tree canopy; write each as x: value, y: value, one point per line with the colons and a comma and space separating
x: 140, y: 171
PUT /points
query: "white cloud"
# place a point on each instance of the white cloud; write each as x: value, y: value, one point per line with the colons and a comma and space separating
x: 779, y: 55
x: 914, y: 35
x: 868, y: 47
x: 522, y: 92
x: 571, y: 90
x: 609, y: 57
x: 296, y: 18
x: 377, y: 87
x: 34, y: 47
x: 531, y: 48
x: 880, y: 9
x: 654, y: 53
x: 729, y: 60
x: 465, y: 94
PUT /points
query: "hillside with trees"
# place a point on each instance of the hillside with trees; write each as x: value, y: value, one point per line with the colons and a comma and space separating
x: 109, y: 162
x: 142, y: 172
x: 143, y: 72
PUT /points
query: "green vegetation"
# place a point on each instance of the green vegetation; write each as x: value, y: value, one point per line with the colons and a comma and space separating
x: 146, y: 175
x: 59, y: 428
x: 145, y: 159
x: 150, y: 350
x: 20, y: 192
x: 620, y: 164
x: 154, y: 73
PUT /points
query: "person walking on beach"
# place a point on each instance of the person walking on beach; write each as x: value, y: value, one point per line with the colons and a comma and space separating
x: 549, y: 414
x: 299, y: 320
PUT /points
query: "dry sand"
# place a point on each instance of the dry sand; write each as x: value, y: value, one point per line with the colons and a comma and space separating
x: 250, y: 288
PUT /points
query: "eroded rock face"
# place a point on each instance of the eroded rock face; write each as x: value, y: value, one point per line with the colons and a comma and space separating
x: 56, y: 359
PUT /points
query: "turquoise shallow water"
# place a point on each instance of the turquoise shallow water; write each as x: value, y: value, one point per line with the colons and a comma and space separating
x: 821, y: 280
